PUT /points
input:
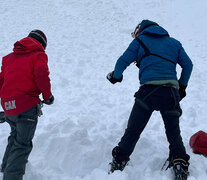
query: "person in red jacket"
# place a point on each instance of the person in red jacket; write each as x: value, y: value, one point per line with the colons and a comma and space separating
x: 24, y: 76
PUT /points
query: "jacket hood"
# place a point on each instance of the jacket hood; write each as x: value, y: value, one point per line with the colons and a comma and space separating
x: 152, y: 28
x: 27, y: 45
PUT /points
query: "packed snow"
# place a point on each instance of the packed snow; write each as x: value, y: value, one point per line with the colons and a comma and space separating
x: 75, y: 136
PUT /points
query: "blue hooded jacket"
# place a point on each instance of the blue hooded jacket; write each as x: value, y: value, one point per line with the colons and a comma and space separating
x: 154, y: 68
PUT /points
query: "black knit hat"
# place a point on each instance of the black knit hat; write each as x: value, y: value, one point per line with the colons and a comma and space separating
x: 39, y: 36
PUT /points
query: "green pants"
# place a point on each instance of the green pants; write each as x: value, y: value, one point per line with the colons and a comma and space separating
x: 19, y: 143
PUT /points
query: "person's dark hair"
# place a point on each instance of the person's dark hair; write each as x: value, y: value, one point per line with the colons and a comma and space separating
x: 39, y: 36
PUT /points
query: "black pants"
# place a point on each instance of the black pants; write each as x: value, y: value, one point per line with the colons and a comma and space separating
x: 163, y: 98
x: 19, y: 144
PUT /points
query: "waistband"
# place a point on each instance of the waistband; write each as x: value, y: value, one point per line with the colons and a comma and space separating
x: 160, y: 85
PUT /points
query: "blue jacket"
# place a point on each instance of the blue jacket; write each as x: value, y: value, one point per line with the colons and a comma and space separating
x: 154, y: 68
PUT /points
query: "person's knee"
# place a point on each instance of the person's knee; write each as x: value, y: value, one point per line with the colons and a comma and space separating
x: 174, y: 112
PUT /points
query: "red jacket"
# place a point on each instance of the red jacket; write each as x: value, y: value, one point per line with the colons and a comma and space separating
x: 24, y: 76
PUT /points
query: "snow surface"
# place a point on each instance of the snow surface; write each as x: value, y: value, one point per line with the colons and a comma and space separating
x: 75, y: 136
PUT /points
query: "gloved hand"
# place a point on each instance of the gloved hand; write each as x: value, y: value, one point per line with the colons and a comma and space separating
x: 182, y: 91
x: 50, y: 101
x: 112, y: 79
x: 2, y: 117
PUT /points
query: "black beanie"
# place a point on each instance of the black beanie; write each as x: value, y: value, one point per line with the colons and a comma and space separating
x: 39, y: 36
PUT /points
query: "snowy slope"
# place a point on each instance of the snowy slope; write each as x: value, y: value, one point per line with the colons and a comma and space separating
x: 75, y: 136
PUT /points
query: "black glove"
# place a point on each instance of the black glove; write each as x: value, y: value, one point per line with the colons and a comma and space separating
x: 182, y: 92
x: 2, y: 117
x: 112, y: 79
x: 50, y: 101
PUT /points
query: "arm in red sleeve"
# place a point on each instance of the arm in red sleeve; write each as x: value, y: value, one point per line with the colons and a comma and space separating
x: 41, y: 73
x: 2, y: 76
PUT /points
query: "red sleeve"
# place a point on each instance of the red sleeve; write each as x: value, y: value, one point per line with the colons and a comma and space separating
x: 2, y: 76
x: 41, y: 73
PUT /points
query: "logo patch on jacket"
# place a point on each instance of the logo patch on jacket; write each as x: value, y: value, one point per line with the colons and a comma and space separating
x: 10, y: 105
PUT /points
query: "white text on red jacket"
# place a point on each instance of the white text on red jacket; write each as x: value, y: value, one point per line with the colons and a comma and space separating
x: 10, y: 105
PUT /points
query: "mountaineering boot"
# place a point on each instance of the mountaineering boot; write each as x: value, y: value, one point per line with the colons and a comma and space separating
x: 114, y: 165
x: 180, y: 167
